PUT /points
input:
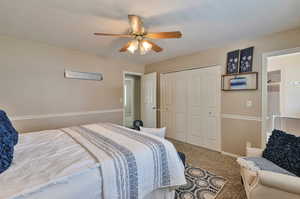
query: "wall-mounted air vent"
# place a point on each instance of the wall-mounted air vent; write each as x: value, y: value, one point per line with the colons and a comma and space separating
x: 83, y: 75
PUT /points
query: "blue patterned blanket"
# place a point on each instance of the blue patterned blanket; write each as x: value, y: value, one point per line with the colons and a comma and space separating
x: 133, y: 164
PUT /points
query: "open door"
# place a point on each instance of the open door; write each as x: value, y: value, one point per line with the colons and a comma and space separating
x: 129, y: 102
x: 131, y: 98
x: 148, y: 100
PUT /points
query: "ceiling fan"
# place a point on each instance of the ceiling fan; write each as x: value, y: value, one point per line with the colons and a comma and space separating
x: 139, y: 37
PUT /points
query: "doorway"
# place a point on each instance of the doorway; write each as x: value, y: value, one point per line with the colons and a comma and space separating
x: 131, y: 98
x: 280, y: 92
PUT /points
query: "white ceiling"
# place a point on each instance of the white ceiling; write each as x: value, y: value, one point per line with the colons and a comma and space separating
x: 204, y: 23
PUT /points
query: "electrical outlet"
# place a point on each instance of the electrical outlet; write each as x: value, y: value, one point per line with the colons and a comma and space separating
x: 249, y: 104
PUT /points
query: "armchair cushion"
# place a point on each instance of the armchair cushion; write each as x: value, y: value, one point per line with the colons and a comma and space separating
x: 284, y: 150
x: 260, y: 163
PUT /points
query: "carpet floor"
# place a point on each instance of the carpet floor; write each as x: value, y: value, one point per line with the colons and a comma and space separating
x: 218, y: 164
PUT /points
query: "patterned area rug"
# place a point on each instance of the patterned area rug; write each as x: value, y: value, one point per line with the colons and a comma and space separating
x: 201, y: 184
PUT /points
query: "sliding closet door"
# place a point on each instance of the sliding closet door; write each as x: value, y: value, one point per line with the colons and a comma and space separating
x: 196, y: 104
x: 212, y: 93
x: 180, y: 105
x: 190, y: 106
x: 204, y: 107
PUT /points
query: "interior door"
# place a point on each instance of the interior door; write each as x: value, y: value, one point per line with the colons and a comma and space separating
x: 179, y: 109
x: 148, y: 100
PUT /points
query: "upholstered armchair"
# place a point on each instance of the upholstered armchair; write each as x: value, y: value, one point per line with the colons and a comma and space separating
x: 268, y: 185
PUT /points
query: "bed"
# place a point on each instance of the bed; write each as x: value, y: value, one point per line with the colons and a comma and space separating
x: 96, y: 161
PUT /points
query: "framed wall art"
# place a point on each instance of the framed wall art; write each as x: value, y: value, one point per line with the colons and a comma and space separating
x: 239, y: 82
x: 246, y: 60
x: 233, y: 62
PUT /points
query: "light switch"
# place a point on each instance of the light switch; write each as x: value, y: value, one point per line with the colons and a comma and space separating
x: 249, y: 104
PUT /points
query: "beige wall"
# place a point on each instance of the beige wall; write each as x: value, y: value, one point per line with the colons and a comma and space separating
x: 32, y: 83
x: 235, y: 133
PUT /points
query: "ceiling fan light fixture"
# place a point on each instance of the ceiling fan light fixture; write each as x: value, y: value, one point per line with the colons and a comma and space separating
x: 134, y: 45
x: 140, y: 37
x: 145, y: 47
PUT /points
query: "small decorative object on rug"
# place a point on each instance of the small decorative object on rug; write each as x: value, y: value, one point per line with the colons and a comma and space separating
x: 233, y: 62
x: 201, y: 184
x: 246, y: 60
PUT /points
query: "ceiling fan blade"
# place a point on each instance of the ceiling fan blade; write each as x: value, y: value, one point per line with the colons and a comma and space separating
x: 155, y: 47
x: 136, y: 24
x: 124, y: 48
x: 164, y: 35
x: 113, y: 35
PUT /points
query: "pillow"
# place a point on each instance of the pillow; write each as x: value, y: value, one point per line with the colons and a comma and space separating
x: 284, y: 150
x: 6, y: 148
x: 160, y: 132
x: 7, y: 124
x: 260, y: 163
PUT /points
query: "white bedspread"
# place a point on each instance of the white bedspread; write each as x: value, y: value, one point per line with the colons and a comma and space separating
x: 117, y: 162
x: 133, y: 163
x: 41, y: 159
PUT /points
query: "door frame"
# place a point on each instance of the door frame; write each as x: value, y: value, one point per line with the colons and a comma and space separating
x: 123, y: 97
x: 264, y: 88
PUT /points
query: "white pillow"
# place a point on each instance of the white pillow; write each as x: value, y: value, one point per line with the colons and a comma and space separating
x: 160, y: 132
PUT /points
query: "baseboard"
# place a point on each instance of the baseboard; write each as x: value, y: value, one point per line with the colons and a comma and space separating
x: 230, y: 154
x: 216, y: 150
x: 241, y: 117
x: 70, y: 114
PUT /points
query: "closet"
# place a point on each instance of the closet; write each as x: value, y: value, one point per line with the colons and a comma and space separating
x: 190, y: 106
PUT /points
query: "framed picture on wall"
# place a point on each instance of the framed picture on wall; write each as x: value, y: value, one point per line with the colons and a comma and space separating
x: 246, y: 60
x: 233, y: 62
x: 240, y: 82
